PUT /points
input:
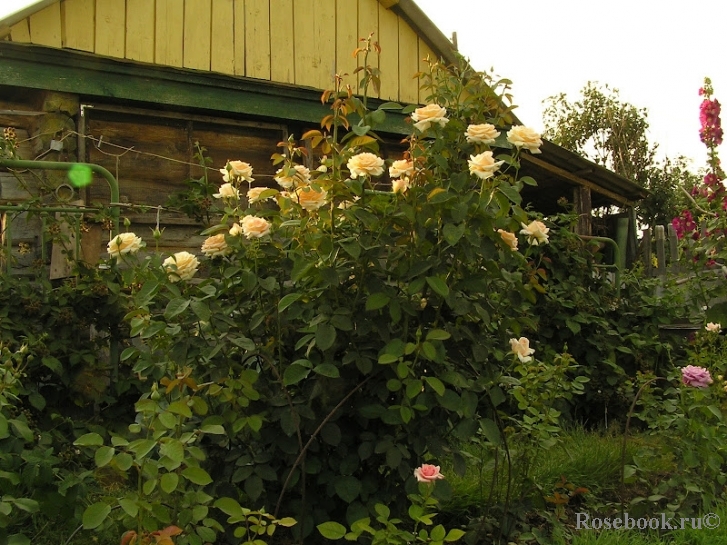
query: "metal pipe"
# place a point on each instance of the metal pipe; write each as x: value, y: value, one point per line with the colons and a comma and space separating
x: 616, y: 256
x: 57, y: 165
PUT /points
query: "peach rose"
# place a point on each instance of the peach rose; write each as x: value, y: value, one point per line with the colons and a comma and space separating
x: 400, y: 168
x: 482, y: 134
x: 400, y: 185
x: 254, y: 227
x: 521, y: 348
x: 429, y: 114
x: 310, y: 199
x: 253, y: 195
x: 524, y: 137
x: 427, y: 473
x: 228, y: 191
x: 237, y: 170
x: 181, y: 266
x: 536, y: 231
x: 483, y: 165
x: 713, y: 328
x: 288, y: 180
x: 508, y: 238
x: 124, y: 243
x: 365, y: 164
x: 216, y: 246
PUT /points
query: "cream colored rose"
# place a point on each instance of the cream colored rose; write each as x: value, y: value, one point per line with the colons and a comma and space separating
x: 713, y: 328
x: 365, y: 164
x: 237, y: 170
x: 253, y: 195
x: 509, y: 238
x: 181, y: 266
x: 124, y: 243
x: 236, y: 230
x: 228, y: 191
x: 521, y: 348
x: 536, y: 231
x: 400, y: 185
x: 289, y: 180
x: 484, y: 133
x: 524, y: 137
x: 310, y: 199
x: 400, y: 168
x: 215, y: 246
x: 483, y: 165
x: 429, y: 114
x: 254, y: 227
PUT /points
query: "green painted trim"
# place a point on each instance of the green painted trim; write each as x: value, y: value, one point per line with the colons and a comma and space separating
x: 93, y: 76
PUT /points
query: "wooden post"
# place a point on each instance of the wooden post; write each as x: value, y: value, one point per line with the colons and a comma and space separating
x: 660, y: 250
x: 673, y: 248
x: 646, y: 251
x: 582, y: 200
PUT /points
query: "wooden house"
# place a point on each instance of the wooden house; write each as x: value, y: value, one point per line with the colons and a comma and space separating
x: 133, y: 85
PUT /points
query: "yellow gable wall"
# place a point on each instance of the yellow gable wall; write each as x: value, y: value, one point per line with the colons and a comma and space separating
x: 302, y: 42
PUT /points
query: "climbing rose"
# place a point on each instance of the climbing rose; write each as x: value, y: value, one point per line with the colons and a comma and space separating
x: 253, y: 195
x: 215, y: 246
x: 124, y: 243
x: 301, y: 176
x: 524, y: 137
x: 228, y: 191
x: 536, y: 232
x: 483, y: 165
x: 310, y: 199
x: 400, y: 185
x: 508, y: 238
x: 237, y: 170
x: 400, y: 168
x: 482, y: 134
x: 426, y: 115
x: 521, y: 348
x: 713, y: 328
x: 365, y: 164
x: 181, y: 266
x: 427, y: 473
x: 697, y: 377
x: 254, y: 227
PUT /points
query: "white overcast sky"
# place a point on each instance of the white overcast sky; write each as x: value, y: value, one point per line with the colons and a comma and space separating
x: 656, y: 52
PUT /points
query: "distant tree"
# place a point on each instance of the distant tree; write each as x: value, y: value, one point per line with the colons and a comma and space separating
x: 611, y: 132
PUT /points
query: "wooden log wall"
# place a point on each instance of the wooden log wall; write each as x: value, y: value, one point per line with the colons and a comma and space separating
x: 301, y: 42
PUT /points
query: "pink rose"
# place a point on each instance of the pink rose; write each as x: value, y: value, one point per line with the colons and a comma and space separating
x: 427, y: 473
x: 697, y: 377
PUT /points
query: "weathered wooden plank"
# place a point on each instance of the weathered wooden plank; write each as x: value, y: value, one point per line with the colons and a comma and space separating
x: 426, y: 55
x: 223, y: 37
x: 389, y: 58
x: 110, y: 28
x: 169, y: 33
x: 45, y: 26
x: 408, y: 63
x: 315, y: 25
x: 257, y: 38
x: 282, y: 49
x: 78, y: 24
x: 197, y: 34
x: 20, y: 32
x: 239, y: 31
x: 140, y: 30
x: 346, y: 39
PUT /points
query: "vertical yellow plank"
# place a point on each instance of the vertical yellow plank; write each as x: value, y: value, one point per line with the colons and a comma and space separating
x: 389, y: 59
x: 45, y: 26
x: 239, y: 9
x: 425, y: 52
x: 223, y: 38
x: 368, y: 22
x: 197, y: 34
x: 257, y: 38
x: 110, y: 27
x: 408, y: 64
x: 315, y: 33
x: 169, y: 32
x: 78, y: 24
x: 20, y: 32
x: 282, y: 51
x: 346, y: 38
x: 140, y: 30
